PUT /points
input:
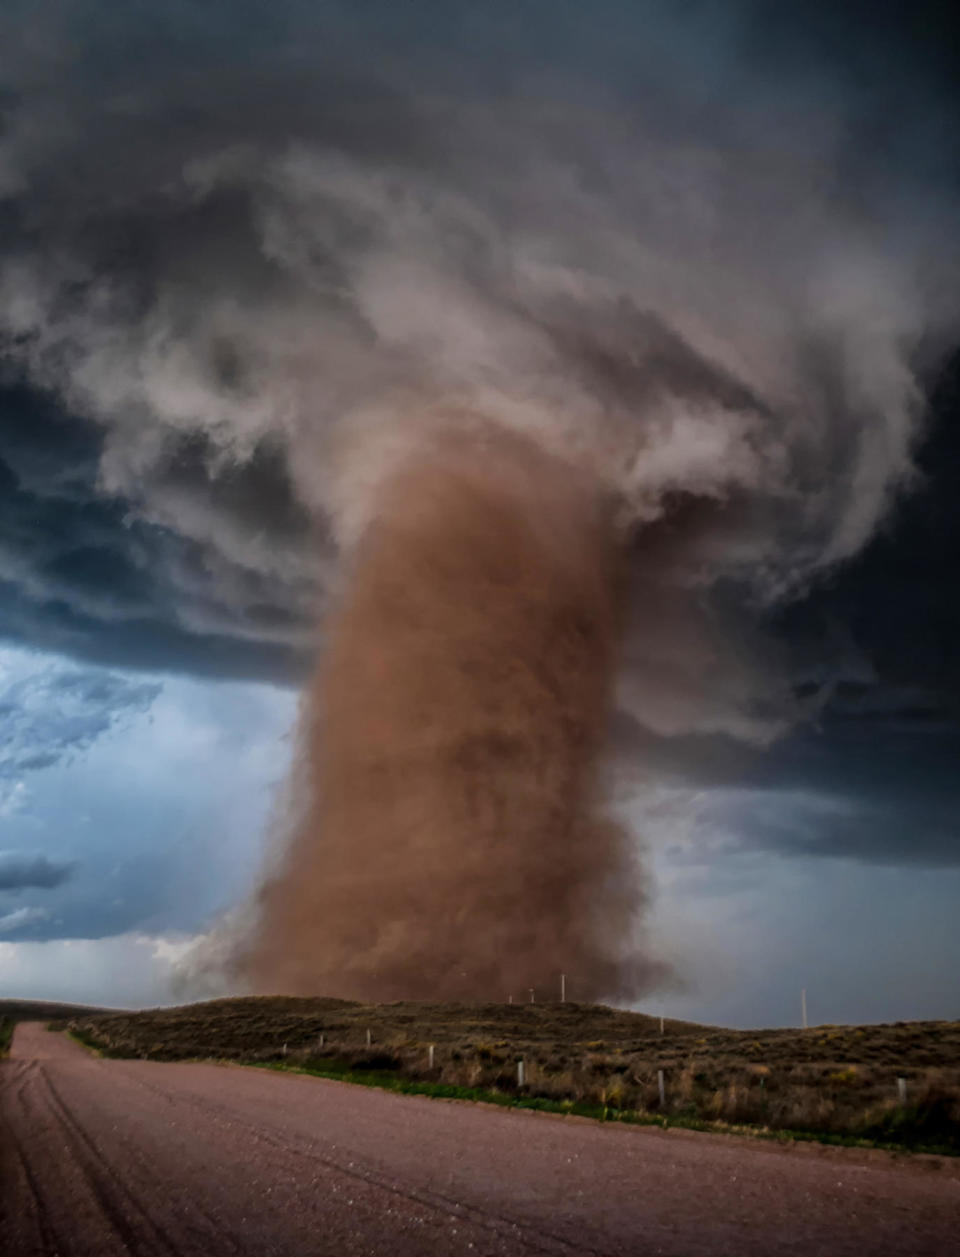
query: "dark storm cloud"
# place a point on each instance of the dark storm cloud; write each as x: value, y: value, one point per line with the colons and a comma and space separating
x: 891, y: 618
x: 19, y: 870
x: 709, y: 251
x: 879, y: 796
x: 876, y: 651
x: 81, y: 575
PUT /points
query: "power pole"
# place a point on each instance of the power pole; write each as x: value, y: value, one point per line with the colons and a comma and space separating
x: 803, y: 1006
x: 563, y: 988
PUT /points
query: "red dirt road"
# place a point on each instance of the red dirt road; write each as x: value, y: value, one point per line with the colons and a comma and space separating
x: 105, y: 1157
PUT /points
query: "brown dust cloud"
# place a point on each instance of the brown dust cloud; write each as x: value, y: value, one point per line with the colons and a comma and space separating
x: 450, y: 842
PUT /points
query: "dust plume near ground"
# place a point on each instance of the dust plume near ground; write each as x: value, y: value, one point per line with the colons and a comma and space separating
x: 448, y: 844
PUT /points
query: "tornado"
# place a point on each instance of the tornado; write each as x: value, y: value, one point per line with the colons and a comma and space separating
x: 449, y: 842
x: 503, y: 422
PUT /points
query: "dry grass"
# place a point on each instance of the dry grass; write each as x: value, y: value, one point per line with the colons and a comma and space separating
x: 831, y: 1080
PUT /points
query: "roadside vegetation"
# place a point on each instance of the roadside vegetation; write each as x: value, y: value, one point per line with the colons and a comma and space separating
x: 836, y: 1083
x: 6, y: 1034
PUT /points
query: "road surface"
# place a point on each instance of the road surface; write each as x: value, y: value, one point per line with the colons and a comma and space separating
x: 104, y: 1157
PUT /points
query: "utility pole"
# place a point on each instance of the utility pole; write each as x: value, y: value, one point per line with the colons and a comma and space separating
x: 563, y: 988
x: 803, y: 1006
x: 533, y: 998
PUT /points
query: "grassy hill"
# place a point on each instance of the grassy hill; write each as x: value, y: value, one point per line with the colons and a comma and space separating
x: 44, y: 1010
x: 833, y: 1081
x: 260, y: 1025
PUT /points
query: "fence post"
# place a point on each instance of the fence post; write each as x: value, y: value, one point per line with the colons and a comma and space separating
x: 902, y: 1090
x: 662, y: 1088
x: 430, y: 1056
x: 369, y: 1039
x: 520, y: 1078
x: 284, y: 1049
x: 321, y: 1039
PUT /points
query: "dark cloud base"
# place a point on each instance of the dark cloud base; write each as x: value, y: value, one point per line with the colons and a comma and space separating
x: 19, y: 871
x: 891, y: 617
x: 81, y: 575
x: 236, y: 591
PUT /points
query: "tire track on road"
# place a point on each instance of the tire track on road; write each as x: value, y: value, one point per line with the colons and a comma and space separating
x: 500, y: 1224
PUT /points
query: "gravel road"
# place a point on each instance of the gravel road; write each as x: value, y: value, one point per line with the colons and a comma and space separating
x: 105, y: 1157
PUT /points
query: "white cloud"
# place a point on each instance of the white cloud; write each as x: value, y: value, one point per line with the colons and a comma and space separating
x: 20, y: 917
x: 13, y: 797
x: 124, y: 971
x: 51, y: 711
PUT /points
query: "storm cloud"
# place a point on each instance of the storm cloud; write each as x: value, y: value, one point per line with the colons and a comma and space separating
x: 257, y: 263
x: 81, y: 574
x: 20, y: 869
x: 231, y: 301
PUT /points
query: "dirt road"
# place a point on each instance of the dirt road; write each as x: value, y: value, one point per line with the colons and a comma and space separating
x: 107, y: 1157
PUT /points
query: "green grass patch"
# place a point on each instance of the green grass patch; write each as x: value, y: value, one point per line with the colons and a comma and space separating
x: 87, y: 1040
x: 386, y: 1081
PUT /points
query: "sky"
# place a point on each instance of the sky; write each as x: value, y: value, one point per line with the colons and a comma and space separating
x: 705, y: 250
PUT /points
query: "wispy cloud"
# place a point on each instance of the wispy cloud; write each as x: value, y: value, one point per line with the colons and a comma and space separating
x: 51, y: 711
x: 20, y: 917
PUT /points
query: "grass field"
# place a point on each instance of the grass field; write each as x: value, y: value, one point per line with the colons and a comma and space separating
x: 834, y: 1082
